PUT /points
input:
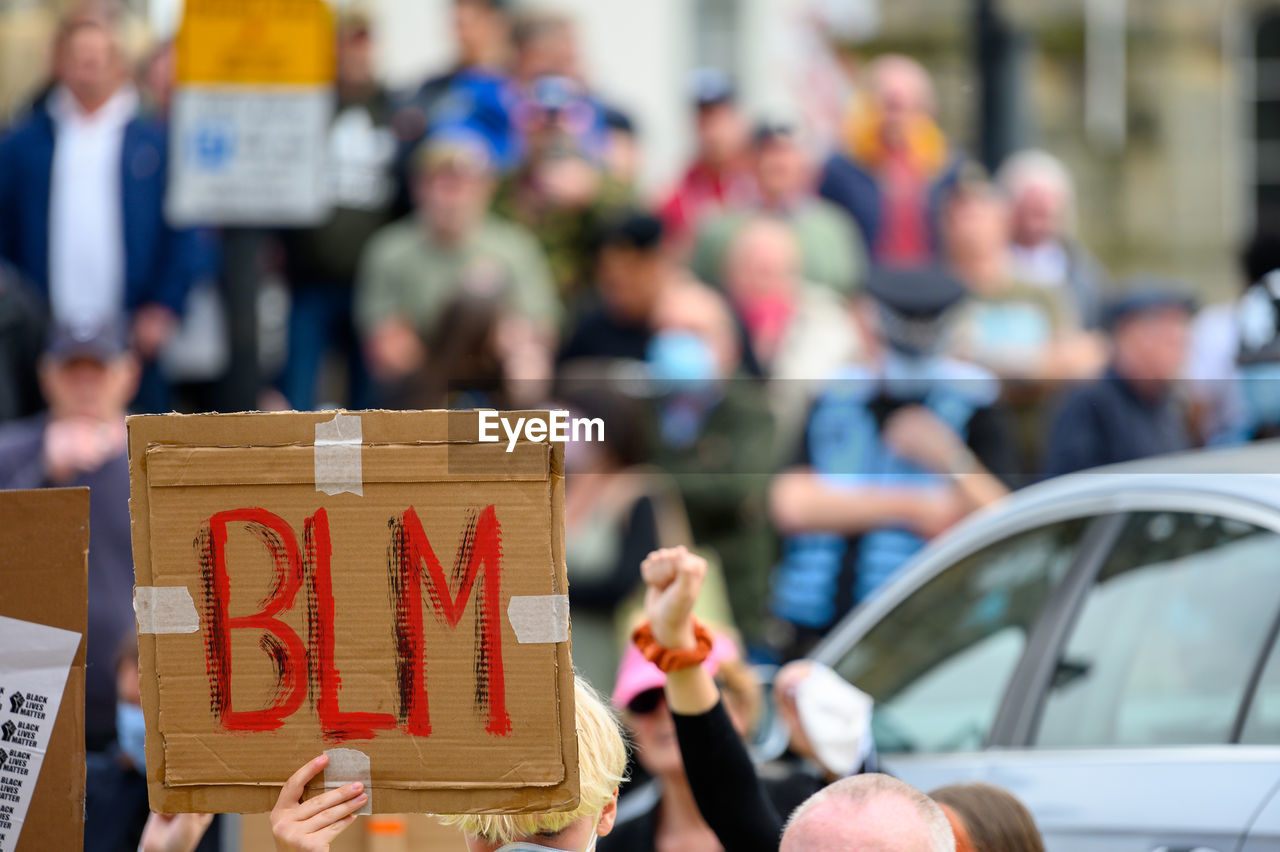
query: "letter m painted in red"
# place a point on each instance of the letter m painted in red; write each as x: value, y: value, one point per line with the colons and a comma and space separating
x: 479, y: 558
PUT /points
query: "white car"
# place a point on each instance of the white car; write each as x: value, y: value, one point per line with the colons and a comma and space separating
x: 1104, y: 645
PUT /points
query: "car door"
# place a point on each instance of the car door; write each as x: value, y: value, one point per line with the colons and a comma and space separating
x: 1260, y: 733
x: 1129, y: 746
x: 939, y: 663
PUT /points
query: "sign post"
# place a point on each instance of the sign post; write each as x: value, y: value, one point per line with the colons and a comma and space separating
x: 251, y: 112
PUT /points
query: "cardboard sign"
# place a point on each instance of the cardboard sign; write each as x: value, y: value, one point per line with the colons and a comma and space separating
x: 380, y: 586
x: 44, y: 545
x: 251, y: 112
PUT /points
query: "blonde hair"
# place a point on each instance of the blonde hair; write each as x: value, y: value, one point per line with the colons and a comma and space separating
x: 602, y: 765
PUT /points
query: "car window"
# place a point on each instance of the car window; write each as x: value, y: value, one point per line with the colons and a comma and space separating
x: 1161, y: 650
x: 938, y: 664
x: 1262, y: 725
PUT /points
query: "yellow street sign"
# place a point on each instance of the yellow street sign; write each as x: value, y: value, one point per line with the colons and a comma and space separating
x: 256, y: 42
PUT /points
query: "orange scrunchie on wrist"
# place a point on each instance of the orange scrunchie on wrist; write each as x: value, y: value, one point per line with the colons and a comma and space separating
x: 671, y: 659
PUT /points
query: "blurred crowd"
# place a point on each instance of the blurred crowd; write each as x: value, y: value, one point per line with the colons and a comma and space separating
x: 808, y: 362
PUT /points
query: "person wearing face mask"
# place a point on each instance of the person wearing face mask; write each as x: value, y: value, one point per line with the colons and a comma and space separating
x: 311, y: 826
x: 714, y: 435
x: 799, y: 332
x: 893, y: 453
x: 116, y: 815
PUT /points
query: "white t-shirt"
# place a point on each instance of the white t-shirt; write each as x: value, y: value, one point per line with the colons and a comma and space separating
x: 86, y: 211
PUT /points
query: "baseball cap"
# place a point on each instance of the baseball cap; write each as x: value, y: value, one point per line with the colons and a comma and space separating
x: 914, y: 304
x: 454, y: 146
x: 710, y: 87
x: 633, y: 229
x: 637, y: 675
x: 1144, y: 296
x: 102, y: 341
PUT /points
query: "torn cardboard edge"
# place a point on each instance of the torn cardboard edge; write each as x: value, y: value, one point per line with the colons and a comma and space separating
x: 179, y: 434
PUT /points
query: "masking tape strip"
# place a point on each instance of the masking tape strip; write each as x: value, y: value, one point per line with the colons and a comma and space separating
x: 165, y: 609
x: 338, y: 455
x: 347, y: 765
x: 539, y: 619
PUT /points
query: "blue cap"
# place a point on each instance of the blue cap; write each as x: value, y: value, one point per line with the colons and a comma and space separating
x: 457, y: 146
x: 1143, y: 296
x: 710, y: 87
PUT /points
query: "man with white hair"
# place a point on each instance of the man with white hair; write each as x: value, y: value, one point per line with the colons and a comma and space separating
x: 1044, y: 252
x: 872, y: 812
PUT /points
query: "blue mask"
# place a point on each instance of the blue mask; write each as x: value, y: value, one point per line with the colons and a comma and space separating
x: 681, y: 362
x: 131, y: 733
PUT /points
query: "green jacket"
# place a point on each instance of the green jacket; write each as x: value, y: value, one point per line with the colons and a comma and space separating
x: 723, y: 477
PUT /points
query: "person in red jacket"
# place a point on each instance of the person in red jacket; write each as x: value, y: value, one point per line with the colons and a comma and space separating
x: 719, y: 177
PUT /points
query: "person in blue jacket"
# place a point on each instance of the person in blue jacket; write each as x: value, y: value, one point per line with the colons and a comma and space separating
x: 897, y: 166
x: 82, y: 187
x: 895, y: 450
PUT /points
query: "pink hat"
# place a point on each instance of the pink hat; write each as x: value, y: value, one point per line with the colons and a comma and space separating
x: 637, y: 675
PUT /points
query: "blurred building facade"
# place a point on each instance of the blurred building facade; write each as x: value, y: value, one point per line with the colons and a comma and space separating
x: 1167, y: 112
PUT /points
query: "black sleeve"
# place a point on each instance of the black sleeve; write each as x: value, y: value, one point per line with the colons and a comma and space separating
x: 1074, y: 439
x: 993, y: 439
x: 724, y: 782
x: 639, y: 539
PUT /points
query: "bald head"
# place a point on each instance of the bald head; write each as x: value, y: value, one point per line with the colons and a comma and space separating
x: 869, y: 813
x: 903, y: 93
x: 901, y: 83
x: 764, y: 259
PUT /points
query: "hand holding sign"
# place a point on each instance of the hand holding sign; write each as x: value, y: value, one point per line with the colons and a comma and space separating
x: 312, y: 825
x: 413, y: 623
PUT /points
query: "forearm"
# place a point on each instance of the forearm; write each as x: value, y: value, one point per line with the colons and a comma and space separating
x: 980, y: 489
x: 691, y: 691
x: 801, y: 502
x: 723, y: 778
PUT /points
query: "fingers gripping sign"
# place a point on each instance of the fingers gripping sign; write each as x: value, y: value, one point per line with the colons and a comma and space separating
x: 312, y: 825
